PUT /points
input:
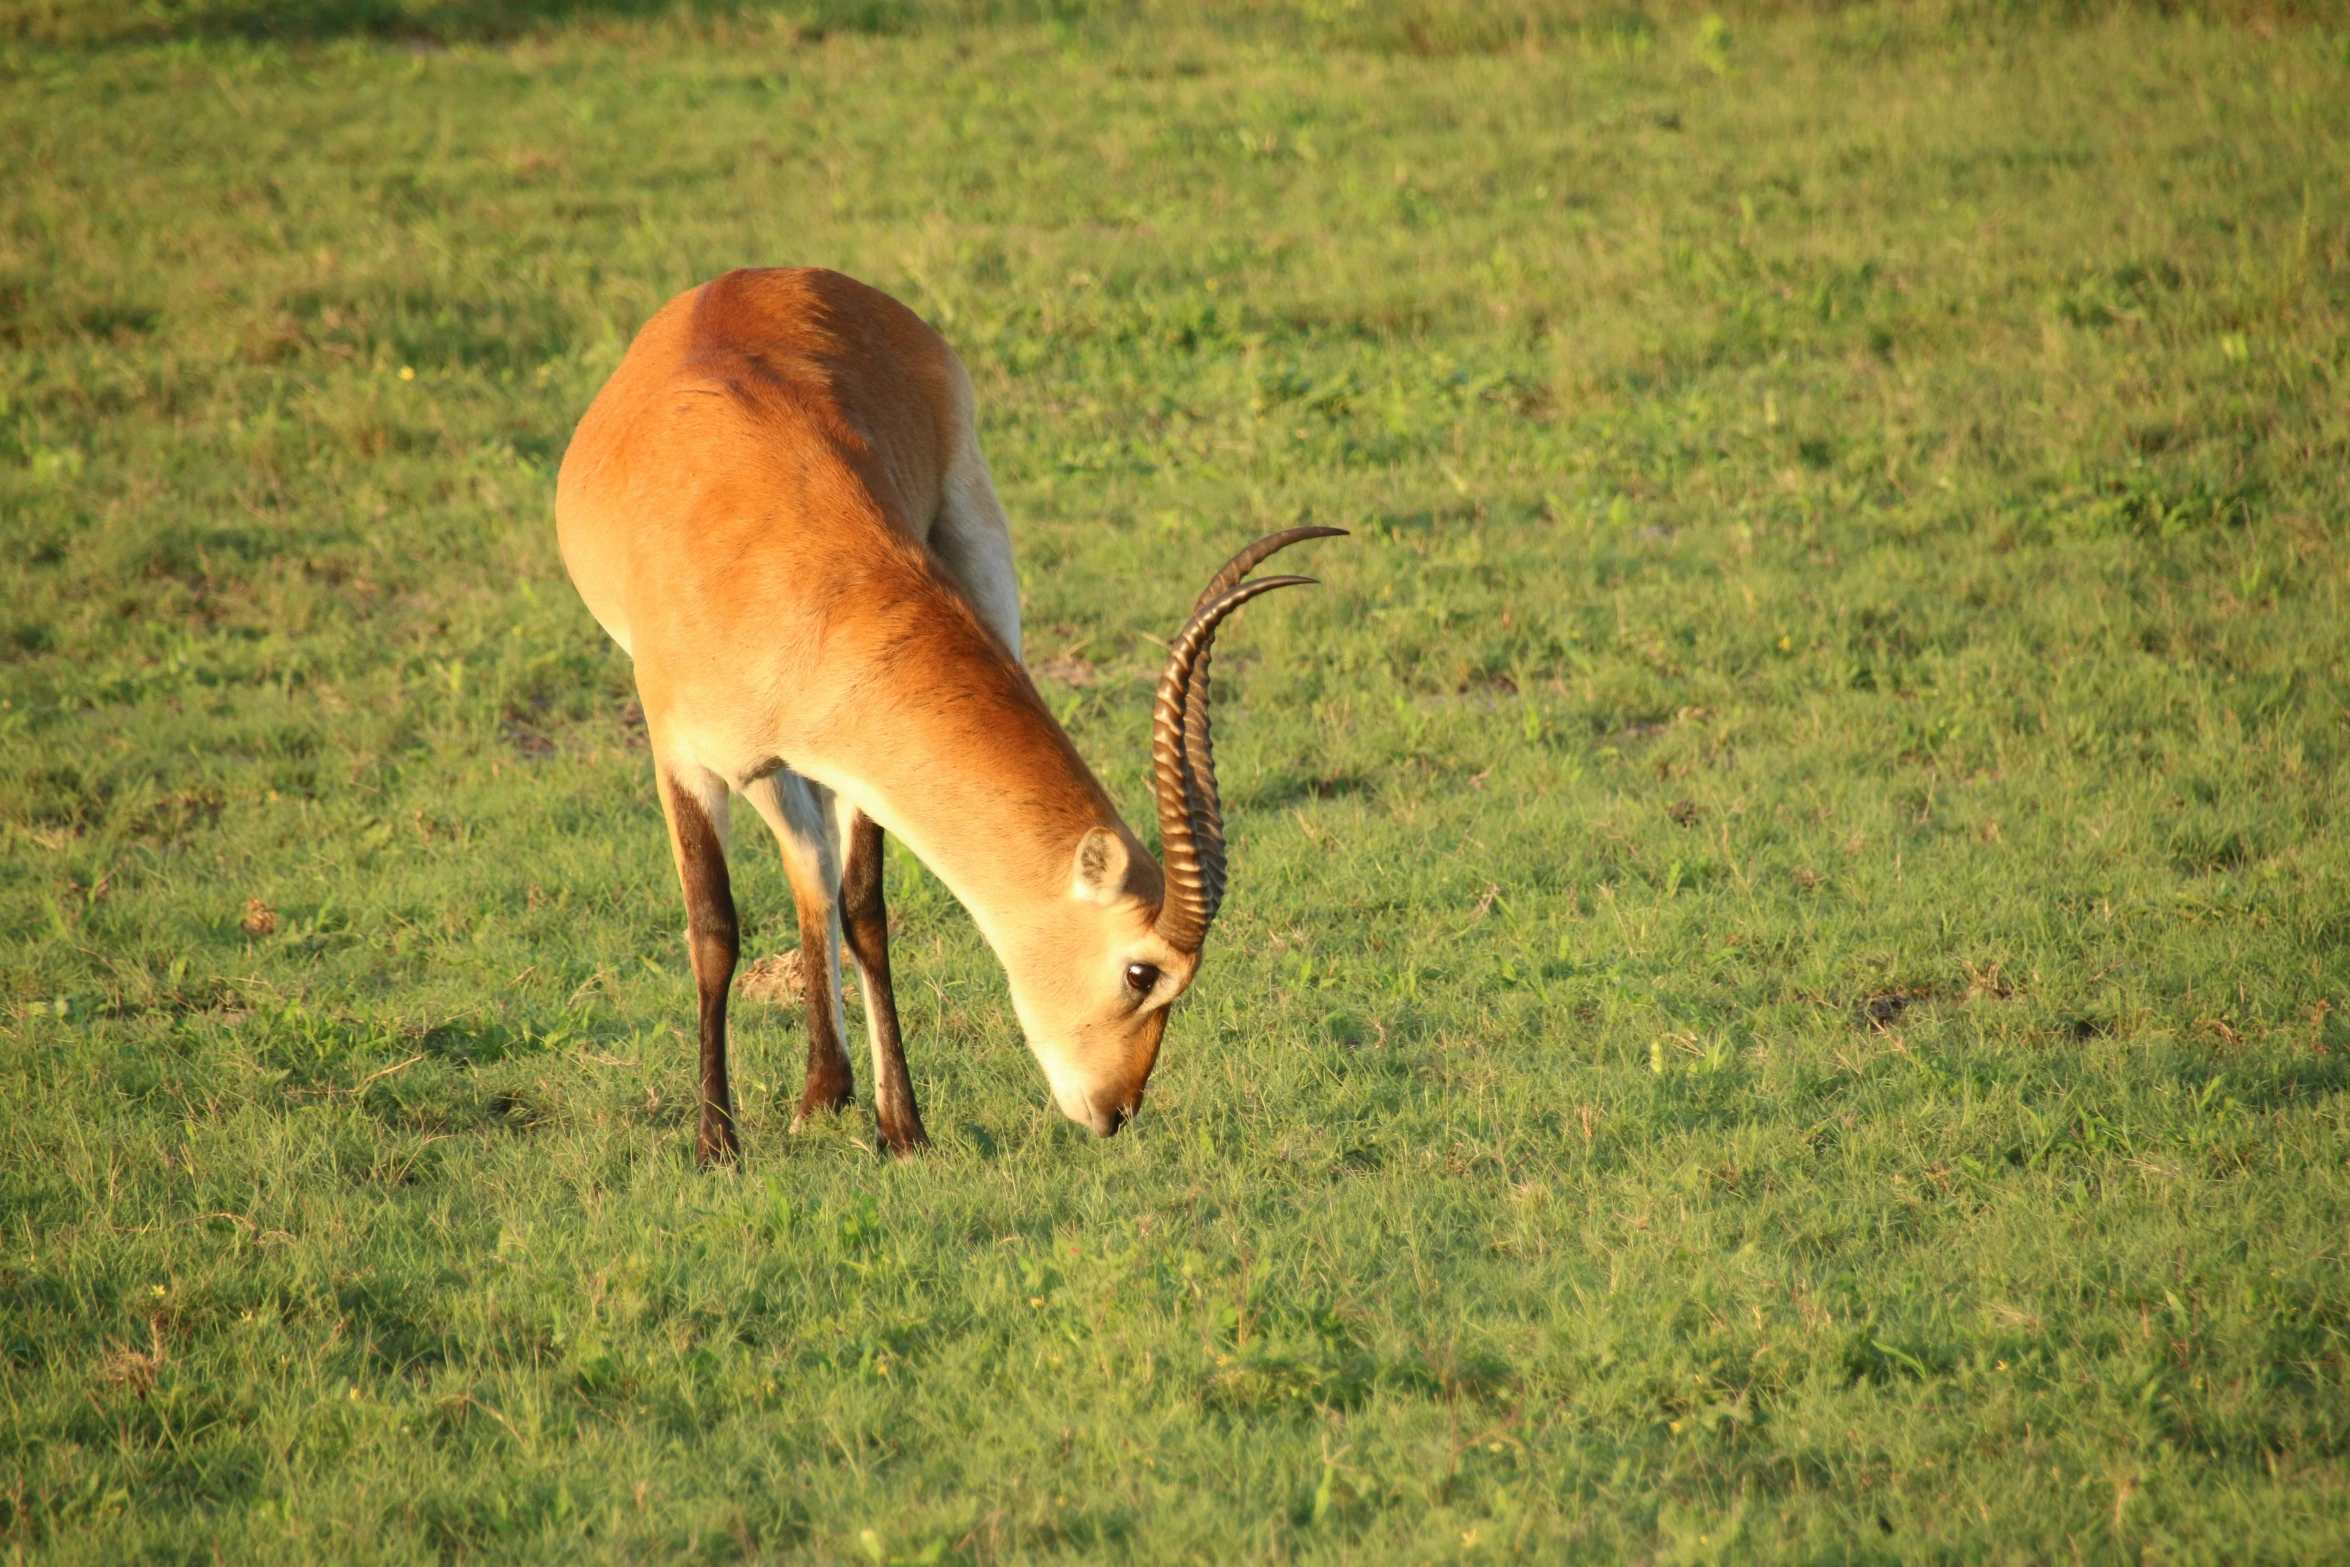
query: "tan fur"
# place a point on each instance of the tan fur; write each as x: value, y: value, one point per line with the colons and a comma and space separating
x: 777, y: 506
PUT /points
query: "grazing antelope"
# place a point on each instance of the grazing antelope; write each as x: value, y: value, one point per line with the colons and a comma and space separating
x: 777, y: 507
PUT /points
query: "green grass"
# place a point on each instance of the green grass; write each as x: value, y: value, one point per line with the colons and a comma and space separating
x: 1783, y: 996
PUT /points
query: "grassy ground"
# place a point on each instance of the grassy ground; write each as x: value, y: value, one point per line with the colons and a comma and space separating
x: 1783, y: 994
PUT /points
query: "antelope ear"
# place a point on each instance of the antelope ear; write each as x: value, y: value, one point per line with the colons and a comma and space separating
x: 1100, y: 872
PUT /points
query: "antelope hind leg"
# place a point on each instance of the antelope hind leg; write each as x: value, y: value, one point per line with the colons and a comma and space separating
x: 865, y: 922
x: 694, y: 801
x: 799, y: 813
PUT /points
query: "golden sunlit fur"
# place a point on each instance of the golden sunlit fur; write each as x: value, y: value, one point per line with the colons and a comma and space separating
x: 778, y: 507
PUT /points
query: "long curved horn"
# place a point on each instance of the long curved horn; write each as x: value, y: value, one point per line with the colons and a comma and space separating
x: 1199, y: 758
x: 1191, y: 817
x: 1193, y: 846
x: 1199, y: 776
x: 1255, y: 555
x: 1199, y: 755
x: 1190, y: 811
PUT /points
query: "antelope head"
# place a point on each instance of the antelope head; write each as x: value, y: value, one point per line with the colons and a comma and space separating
x: 1103, y: 967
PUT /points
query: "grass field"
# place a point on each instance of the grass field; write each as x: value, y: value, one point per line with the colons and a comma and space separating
x: 1786, y: 993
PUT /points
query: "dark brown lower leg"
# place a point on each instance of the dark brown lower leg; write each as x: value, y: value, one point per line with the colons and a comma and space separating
x: 711, y: 937
x: 831, y: 1085
x: 865, y: 924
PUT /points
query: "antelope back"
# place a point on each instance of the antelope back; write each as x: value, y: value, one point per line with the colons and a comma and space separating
x: 770, y: 437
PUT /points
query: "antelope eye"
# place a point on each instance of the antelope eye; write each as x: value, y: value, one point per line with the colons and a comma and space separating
x: 1141, y: 978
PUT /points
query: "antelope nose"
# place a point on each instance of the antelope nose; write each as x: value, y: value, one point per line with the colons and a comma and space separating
x: 1108, y: 1118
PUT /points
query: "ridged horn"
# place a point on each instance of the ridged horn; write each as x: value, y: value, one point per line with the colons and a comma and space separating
x: 1255, y: 555
x: 1183, y: 762
x: 1199, y: 757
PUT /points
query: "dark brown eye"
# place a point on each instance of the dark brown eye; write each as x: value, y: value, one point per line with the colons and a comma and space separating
x: 1141, y: 978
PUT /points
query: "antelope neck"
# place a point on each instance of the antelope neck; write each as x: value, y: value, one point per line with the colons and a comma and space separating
x: 1001, y: 821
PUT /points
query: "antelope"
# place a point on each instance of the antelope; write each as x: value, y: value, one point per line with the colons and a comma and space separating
x: 777, y: 507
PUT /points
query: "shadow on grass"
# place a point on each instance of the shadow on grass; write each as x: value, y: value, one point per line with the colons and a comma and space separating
x: 475, y: 1041
x: 1290, y: 788
x: 2261, y: 1087
x: 392, y: 1325
x: 419, y: 23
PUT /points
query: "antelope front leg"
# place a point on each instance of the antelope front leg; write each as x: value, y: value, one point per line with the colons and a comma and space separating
x: 865, y: 922
x: 695, y: 803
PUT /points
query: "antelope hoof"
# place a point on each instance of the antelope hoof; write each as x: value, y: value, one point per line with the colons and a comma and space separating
x: 814, y: 1106
x: 716, y: 1146
x: 904, y: 1141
